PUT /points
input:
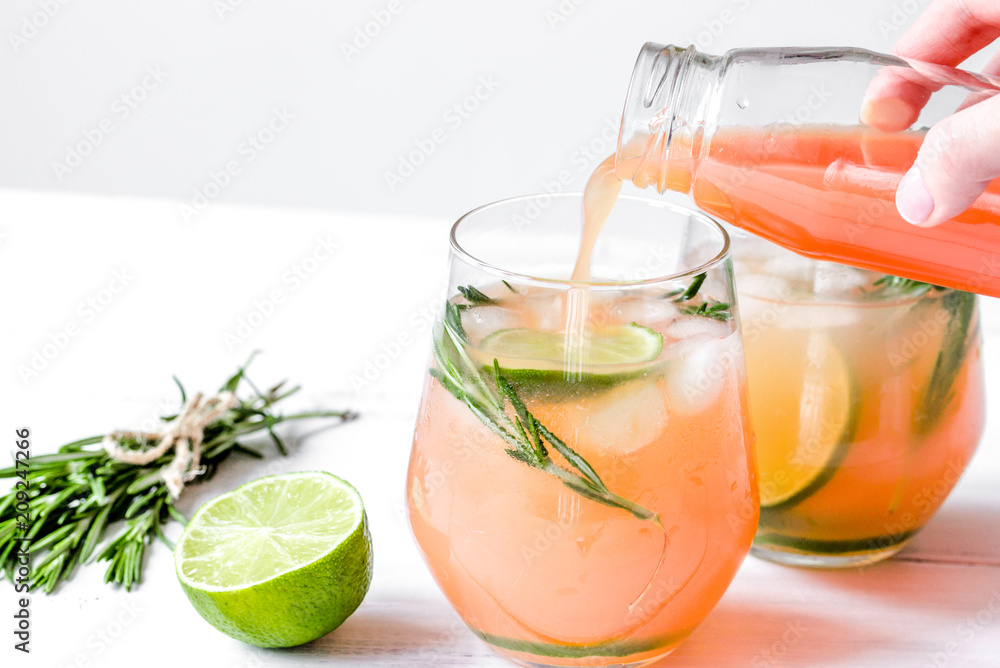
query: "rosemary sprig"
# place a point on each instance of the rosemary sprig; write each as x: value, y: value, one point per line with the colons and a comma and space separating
x: 709, y: 308
x: 475, y: 296
x: 902, y: 286
x: 721, y: 311
x: 960, y: 307
x: 493, y: 399
x: 78, y: 493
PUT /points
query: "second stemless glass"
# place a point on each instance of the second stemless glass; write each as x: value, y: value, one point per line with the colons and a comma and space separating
x: 867, y: 399
x: 582, y: 481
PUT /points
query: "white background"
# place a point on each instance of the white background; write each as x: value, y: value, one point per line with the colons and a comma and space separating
x: 562, y: 68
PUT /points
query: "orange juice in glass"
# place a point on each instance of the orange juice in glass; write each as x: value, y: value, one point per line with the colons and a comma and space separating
x: 867, y: 400
x: 582, y: 482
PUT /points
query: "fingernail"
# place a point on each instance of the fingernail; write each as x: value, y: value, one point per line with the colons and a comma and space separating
x: 913, y: 201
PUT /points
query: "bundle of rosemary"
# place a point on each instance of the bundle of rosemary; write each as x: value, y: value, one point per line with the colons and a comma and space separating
x: 77, y: 494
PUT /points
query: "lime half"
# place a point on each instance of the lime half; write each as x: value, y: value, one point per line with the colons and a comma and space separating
x: 280, y: 561
x: 602, y: 357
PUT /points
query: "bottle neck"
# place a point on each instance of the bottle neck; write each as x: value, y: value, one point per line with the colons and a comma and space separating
x: 666, y: 110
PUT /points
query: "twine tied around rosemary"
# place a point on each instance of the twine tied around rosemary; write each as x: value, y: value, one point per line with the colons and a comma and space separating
x: 184, y: 434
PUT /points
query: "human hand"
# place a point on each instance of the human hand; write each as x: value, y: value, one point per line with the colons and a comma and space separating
x: 961, y: 154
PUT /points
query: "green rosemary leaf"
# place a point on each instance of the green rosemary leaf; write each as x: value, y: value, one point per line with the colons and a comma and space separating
x: 717, y: 310
x: 97, y: 488
x: 140, y: 502
x: 589, y: 492
x: 474, y: 296
x: 693, y: 289
x: 176, y: 515
x: 523, y: 417
x: 509, y: 286
x: 961, y: 307
x: 721, y: 311
x: 453, y: 321
x: 250, y: 452
x: 571, y: 455
x: 274, y: 437
x: 144, y: 481
x: 181, y: 388
x: 77, y: 446
x: 521, y: 456
x: 52, y: 538
x: 492, y: 424
x: 94, y: 534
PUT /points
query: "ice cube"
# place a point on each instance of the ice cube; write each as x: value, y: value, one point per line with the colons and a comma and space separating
x: 763, y: 286
x: 690, y: 326
x: 698, y: 369
x: 817, y: 315
x: 837, y: 280
x: 791, y: 267
x: 623, y: 420
x: 546, y: 310
x: 654, y: 313
x: 481, y: 321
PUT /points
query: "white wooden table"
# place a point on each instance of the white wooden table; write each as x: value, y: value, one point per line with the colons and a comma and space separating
x: 187, y: 285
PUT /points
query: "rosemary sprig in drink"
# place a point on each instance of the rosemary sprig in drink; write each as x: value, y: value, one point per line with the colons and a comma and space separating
x: 960, y: 307
x: 709, y: 308
x: 76, y: 495
x: 958, y: 332
x: 494, y: 400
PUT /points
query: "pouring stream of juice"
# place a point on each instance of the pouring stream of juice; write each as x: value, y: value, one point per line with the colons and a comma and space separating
x: 823, y: 191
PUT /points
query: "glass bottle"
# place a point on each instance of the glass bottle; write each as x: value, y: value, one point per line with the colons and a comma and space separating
x: 806, y: 148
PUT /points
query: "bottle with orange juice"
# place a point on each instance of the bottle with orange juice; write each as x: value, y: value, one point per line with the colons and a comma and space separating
x: 866, y: 381
x: 806, y: 148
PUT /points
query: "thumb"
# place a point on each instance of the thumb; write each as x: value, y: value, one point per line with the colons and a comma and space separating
x: 959, y: 158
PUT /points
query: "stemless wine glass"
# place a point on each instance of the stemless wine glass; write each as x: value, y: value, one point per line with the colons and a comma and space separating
x: 582, y: 482
x: 867, y: 400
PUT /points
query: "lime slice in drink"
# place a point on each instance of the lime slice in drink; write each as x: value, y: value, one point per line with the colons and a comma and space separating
x: 279, y: 561
x: 607, y: 356
x: 804, y: 414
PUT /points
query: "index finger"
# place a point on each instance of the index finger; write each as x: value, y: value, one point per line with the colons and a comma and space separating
x: 949, y: 31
